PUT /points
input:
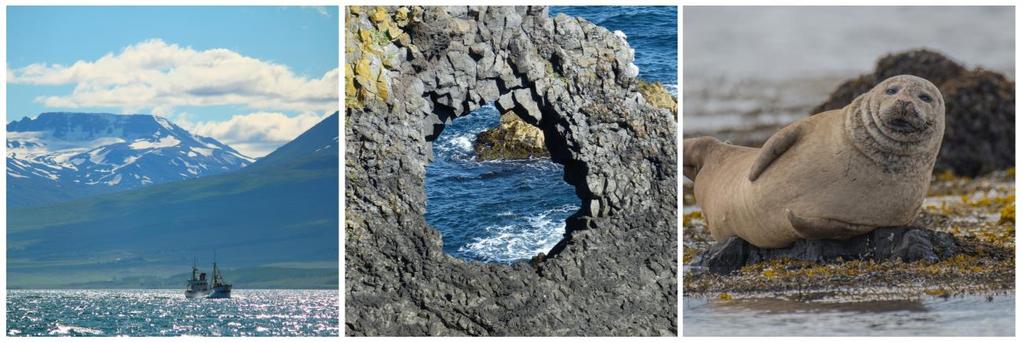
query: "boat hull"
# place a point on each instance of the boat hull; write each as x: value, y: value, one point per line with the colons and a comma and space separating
x: 196, y: 294
x: 220, y: 293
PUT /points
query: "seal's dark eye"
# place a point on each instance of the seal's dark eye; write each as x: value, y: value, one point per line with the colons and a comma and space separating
x: 891, y: 91
x: 925, y: 97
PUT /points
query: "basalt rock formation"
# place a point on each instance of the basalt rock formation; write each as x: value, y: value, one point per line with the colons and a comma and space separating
x: 410, y: 71
x: 980, y: 109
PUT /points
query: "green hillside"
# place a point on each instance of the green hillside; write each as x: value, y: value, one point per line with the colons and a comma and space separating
x: 266, y: 214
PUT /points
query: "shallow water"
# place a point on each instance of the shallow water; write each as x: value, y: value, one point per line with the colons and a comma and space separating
x: 169, y: 313
x: 974, y: 315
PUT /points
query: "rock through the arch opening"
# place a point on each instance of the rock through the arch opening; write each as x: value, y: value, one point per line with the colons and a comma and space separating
x: 501, y: 210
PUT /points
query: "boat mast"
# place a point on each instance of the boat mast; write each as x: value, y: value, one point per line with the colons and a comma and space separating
x: 216, y: 272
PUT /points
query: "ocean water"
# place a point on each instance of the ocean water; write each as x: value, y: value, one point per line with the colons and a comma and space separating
x: 169, y: 313
x: 494, y: 211
x: 504, y: 211
x: 974, y: 315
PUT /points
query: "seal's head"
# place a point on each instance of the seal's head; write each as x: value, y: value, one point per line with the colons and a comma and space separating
x: 900, y: 119
x: 908, y: 109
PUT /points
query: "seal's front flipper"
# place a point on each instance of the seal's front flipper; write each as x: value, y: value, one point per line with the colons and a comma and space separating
x: 694, y: 150
x: 780, y: 142
x: 821, y: 228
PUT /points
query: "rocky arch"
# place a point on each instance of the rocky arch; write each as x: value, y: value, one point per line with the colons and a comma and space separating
x: 409, y: 72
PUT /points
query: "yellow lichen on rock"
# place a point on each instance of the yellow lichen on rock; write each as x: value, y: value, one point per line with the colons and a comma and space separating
x: 349, y: 80
x: 989, y: 201
x: 937, y: 292
x: 379, y: 15
x: 366, y: 79
x: 401, y: 16
x: 382, y: 86
x: 688, y: 217
x: 946, y: 175
x: 362, y: 72
x: 394, y: 32
x: 657, y: 95
x: 688, y: 253
x: 366, y: 37
x: 1008, y: 214
x: 417, y: 14
x: 370, y: 35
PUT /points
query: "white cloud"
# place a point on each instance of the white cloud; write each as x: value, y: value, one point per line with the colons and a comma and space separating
x: 155, y: 76
x: 322, y: 10
x: 254, y: 134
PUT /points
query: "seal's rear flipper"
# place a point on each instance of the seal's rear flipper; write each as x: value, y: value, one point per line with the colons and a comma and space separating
x: 694, y: 150
x: 821, y: 228
x: 780, y: 142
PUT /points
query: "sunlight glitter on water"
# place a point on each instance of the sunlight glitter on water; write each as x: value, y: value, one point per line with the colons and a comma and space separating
x: 168, y: 313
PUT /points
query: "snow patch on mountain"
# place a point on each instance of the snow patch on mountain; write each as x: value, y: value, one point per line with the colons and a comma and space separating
x: 164, y: 142
x: 107, y: 152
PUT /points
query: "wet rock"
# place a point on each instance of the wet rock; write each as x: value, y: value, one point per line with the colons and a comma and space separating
x: 980, y: 110
x: 884, y: 244
x: 513, y: 139
x: 615, y: 270
x: 979, y: 124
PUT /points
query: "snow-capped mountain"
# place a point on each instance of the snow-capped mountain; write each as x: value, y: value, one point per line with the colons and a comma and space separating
x: 60, y: 156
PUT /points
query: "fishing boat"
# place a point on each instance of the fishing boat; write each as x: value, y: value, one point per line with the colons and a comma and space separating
x: 197, y: 286
x: 221, y: 289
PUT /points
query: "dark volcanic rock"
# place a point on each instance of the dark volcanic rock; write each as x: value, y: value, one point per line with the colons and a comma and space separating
x: 980, y: 110
x: 906, y: 243
x: 981, y: 107
x: 615, y: 270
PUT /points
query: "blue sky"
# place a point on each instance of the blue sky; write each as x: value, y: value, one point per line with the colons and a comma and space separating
x: 158, y: 60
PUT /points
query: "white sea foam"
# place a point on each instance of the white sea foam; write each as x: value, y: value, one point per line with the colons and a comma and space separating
x: 63, y: 330
x: 462, y: 142
x: 532, y: 235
